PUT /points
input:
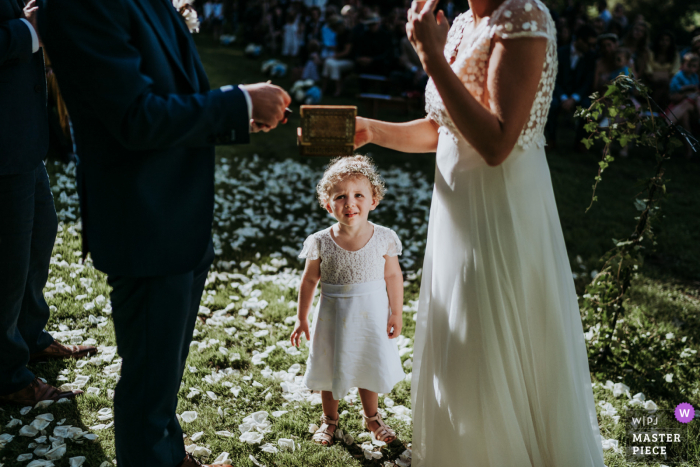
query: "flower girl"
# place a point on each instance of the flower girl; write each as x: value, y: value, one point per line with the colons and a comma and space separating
x: 361, y: 302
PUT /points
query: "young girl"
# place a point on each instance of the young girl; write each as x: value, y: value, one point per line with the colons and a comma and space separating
x: 361, y: 302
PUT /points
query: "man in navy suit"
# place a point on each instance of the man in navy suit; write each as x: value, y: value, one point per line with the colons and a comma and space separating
x: 27, y: 216
x: 574, y: 81
x: 145, y: 123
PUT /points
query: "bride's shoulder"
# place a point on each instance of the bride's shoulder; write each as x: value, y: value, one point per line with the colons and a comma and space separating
x: 520, y: 18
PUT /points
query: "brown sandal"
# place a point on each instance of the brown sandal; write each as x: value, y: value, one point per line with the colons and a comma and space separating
x: 323, y: 435
x: 383, y: 433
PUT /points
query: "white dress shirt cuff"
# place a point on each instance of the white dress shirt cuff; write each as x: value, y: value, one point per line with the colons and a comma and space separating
x: 248, y: 100
x: 35, y: 38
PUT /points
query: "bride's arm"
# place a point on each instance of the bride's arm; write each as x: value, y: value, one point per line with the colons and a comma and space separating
x: 417, y: 136
x: 515, y: 68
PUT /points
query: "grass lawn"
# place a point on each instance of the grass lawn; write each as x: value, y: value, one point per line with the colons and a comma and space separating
x: 241, y: 372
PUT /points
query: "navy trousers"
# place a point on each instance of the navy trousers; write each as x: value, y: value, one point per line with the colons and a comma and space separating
x: 154, y: 318
x: 28, y: 228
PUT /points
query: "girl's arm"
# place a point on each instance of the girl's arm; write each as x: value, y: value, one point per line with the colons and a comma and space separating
x: 417, y: 136
x: 309, y: 281
x: 394, y: 288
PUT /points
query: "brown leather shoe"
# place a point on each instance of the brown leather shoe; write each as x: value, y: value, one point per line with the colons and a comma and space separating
x: 58, y: 350
x: 190, y: 461
x: 35, y: 392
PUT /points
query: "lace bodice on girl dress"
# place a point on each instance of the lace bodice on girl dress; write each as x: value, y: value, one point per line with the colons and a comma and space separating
x: 342, y: 267
x: 513, y: 19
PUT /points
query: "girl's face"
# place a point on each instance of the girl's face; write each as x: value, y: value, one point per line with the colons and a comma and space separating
x: 351, y: 201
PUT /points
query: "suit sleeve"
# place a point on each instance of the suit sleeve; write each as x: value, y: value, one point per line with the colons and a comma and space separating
x: 15, y: 42
x: 91, y: 51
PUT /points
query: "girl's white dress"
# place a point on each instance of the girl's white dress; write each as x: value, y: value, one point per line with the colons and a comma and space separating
x: 349, y: 342
x: 500, y: 370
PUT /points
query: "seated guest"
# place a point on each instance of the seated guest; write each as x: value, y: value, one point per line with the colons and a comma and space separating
x: 608, y: 65
x: 685, y: 98
x: 637, y: 42
x: 574, y: 80
x: 341, y: 61
x: 664, y: 63
x: 372, y: 48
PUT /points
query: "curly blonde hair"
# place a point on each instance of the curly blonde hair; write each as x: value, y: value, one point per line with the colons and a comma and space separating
x: 344, y: 167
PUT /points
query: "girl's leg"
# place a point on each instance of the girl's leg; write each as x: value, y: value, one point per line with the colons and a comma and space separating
x: 330, y: 405
x: 370, y: 404
x: 330, y: 408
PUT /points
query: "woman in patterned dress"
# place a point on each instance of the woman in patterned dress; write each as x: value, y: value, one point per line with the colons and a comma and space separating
x: 500, y: 373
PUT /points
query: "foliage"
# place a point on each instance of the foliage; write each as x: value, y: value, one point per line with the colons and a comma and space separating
x: 617, y: 343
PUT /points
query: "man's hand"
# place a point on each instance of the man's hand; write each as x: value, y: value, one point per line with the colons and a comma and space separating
x: 269, y: 104
x: 30, y: 14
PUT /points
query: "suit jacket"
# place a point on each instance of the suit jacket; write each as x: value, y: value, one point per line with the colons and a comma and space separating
x: 24, y: 132
x: 145, y: 123
x: 578, y: 80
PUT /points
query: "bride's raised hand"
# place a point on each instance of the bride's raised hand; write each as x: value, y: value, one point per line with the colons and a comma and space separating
x: 426, y: 32
x: 363, y: 132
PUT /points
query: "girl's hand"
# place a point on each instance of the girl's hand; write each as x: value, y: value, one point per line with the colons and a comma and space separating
x: 396, y: 322
x: 427, y: 33
x: 302, y: 327
x: 363, y: 132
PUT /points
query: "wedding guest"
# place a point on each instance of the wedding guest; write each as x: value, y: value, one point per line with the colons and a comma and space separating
x: 603, y: 12
x: 599, y: 25
x: 313, y: 62
x: 312, y: 27
x: 574, y: 82
x: 685, y: 95
x: 664, y: 63
x: 28, y: 226
x: 341, y: 61
x: 217, y: 18
x: 291, y: 35
x: 694, y: 45
x: 328, y: 40
x: 637, y: 42
x: 607, y: 62
x: 357, y: 264
x: 372, y: 48
x: 620, y: 17
x: 563, y: 33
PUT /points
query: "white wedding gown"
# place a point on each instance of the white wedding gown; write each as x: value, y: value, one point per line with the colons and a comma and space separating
x: 500, y: 373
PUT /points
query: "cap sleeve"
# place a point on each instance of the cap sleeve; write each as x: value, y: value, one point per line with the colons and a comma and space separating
x: 523, y: 18
x: 394, y: 248
x: 310, y: 250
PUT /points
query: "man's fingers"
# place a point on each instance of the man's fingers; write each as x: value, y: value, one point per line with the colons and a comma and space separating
x: 308, y: 336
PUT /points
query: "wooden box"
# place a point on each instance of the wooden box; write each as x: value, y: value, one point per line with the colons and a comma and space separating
x: 327, y: 130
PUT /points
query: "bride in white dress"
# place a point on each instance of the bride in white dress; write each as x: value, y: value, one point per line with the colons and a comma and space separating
x: 500, y: 372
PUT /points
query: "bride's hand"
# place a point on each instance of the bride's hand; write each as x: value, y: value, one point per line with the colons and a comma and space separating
x: 427, y: 33
x: 363, y: 132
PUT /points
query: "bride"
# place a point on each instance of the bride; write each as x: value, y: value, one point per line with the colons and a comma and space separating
x: 500, y: 372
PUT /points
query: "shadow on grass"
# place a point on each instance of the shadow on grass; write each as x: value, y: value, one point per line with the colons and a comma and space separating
x: 67, y: 414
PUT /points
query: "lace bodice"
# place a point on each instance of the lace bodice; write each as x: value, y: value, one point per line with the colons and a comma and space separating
x: 341, y: 267
x: 513, y: 19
